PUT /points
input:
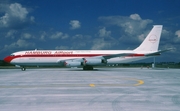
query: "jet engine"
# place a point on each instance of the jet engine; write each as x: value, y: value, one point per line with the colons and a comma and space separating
x: 86, y: 62
x: 72, y: 64
x: 95, y: 61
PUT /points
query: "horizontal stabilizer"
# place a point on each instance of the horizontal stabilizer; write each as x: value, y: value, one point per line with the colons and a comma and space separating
x: 159, y: 52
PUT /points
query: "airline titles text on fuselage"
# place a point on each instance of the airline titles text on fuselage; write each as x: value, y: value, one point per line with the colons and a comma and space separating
x: 48, y: 52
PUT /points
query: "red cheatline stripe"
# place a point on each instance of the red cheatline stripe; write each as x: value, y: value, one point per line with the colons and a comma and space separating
x: 71, y: 55
x: 62, y: 55
x: 10, y: 58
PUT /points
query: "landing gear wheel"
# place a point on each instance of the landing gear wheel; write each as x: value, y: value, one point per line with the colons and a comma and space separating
x: 23, y: 68
x: 88, y: 68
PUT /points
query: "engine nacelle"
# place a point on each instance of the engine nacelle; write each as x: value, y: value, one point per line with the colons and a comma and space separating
x: 95, y: 61
x: 72, y: 64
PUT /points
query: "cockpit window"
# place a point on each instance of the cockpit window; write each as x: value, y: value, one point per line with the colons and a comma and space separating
x: 12, y: 55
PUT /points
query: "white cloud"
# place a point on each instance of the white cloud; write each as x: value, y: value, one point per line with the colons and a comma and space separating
x: 141, y: 37
x: 81, y: 37
x: 80, y: 41
x: 78, y: 36
x: 58, y: 35
x: 16, y: 10
x: 165, y: 32
x: 43, y: 35
x: 101, y: 44
x: 177, y: 33
x: 169, y: 45
x: 26, y: 36
x: 131, y: 25
x: 135, y: 17
x: 61, y: 47
x: 176, y: 39
x: 65, y: 36
x: 167, y: 35
x: 19, y: 44
x: 104, y: 33
x: 15, y: 16
x: 32, y: 19
x: 75, y: 24
x: 11, y: 34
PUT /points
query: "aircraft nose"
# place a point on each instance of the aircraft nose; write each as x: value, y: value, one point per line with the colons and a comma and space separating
x: 8, y: 59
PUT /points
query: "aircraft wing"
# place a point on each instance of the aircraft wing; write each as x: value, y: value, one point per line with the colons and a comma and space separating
x: 96, y: 57
x: 116, y: 55
x: 112, y: 56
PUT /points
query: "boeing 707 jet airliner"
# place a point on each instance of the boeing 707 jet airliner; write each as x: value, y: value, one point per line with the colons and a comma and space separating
x: 88, y: 58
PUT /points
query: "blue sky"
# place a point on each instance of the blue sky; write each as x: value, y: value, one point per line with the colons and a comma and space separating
x: 87, y: 24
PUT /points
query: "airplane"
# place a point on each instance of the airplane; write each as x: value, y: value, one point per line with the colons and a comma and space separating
x: 87, y: 59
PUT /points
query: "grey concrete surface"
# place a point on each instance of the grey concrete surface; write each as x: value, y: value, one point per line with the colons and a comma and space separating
x: 104, y: 89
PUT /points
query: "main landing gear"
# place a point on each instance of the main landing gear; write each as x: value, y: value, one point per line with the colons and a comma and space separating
x: 23, y: 68
x: 88, y: 68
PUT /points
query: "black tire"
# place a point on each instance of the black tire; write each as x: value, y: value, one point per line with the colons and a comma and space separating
x: 23, y: 68
x: 88, y: 68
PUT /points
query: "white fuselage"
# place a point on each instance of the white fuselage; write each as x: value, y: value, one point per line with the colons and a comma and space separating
x: 53, y: 57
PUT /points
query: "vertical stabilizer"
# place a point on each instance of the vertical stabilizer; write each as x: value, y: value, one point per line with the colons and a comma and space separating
x: 151, y: 42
